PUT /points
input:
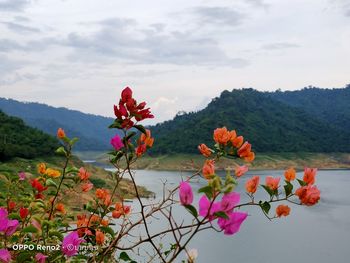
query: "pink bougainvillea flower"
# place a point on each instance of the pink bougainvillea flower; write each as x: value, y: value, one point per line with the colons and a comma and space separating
x: 272, y: 182
x: 241, y: 170
x: 83, y: 174
x: 204, y: 205
x: 309, y: 175
x: 40, y: 258
x: 231, y: 225
x: 5, y: 255
x: 117, y: 142
x: 21, y: 176
x: 185, y: 193
x: 71, y: 243
x: 7, y: 226
x: 229, y: 201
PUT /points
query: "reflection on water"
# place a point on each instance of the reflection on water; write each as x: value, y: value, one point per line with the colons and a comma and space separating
x: 319, y: 234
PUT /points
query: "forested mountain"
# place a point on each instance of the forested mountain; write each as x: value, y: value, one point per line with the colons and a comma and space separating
x: 20, y: 140
x: 92, y: 130
x: 330, y: 105
x: 269, y: 123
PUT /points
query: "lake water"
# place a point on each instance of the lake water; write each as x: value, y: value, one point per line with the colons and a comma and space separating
x: 319, y: 234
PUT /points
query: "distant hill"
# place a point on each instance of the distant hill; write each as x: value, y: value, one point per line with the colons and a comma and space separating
x: 270, y: 121
x: 330, y: 105
x: 92, y: 130
x: 20, y: 140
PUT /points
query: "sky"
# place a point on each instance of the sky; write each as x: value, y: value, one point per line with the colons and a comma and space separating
x: 175, y: 55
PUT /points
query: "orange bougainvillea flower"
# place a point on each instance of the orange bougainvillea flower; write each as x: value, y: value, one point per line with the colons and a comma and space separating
x: 282, y: 210
x: 60, y: 208
x: 241, y: 170
x: 104, y: 222
x: 60, y: 133
x: 204, y: 150
x: 83, y: 174
x: 290, y: 174
x: 221, y: 135
x: 272, y: 182
x: 252, y: 184
x: 86, y: 187
x: 233, y: 135
x: 120, y: 210
x: 147, y: 139
x: 237, y: 142
x: 52, y: 173
x: 308, y: 195
x: 101, y: 193
x: 41, y: 168
x: 309, y: 175
x: 245, y: 152
x: 100, y: 237
x: 208, y: 169
x: 140, y: 149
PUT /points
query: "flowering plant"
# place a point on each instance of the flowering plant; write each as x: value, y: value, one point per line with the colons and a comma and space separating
x: 36, y: 226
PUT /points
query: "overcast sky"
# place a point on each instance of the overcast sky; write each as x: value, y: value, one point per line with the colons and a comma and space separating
x: 176, y: 55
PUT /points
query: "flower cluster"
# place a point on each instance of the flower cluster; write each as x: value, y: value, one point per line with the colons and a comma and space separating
x: 128, y: 109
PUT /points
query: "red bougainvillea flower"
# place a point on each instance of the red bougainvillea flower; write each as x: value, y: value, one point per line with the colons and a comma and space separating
x: 23, y: 212
x: 140, y: 149
x: 221, y: 135
x: 272, y: 182
x: 252, y: 184
x: 117, y: 143
x: 11, y: 206
x: 232, y: 225
x: 241, y: 170
x: 308, y: 195
x: 208, y: 169
x: 60, y: 133
x: 309, y: 175
x: 282, y: 210
x: 185, y: 193
x: 127, y: 109
x: 71, y: 243
x: 204, y: 150
x: 290, y: 174
x: 37, y: 185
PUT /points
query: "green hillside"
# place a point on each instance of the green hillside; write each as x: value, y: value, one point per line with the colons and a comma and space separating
x: 330, y: 105
x: 92, y: 130
x: 20, y: 140
x: 269, y: 124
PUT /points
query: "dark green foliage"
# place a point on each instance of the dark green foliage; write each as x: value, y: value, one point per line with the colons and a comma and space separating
x: 91, y: 129
x: 269, y: 124
x: 19, y: 140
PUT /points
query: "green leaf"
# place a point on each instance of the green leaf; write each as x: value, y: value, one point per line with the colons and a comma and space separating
x: 108, y: 230
x: 14, y: 216
x: 54, y: 233
x: 61, y: 151
x: 221, y: 214
x: 29, y: 229
x: 129, y: 136
x: 301, y: 182
x: 288, y: 188
x: 268, y: 190
x: 73, y: 141
x: 192, y: 210
x: 116, y: 124
x: 208, y: 190
x: 124, y: 256
x: 50, y: 182
x: 141, y: 128
x: 265, y: 206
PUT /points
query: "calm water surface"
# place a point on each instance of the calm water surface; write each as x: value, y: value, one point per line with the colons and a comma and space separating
x: 319, y: 234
